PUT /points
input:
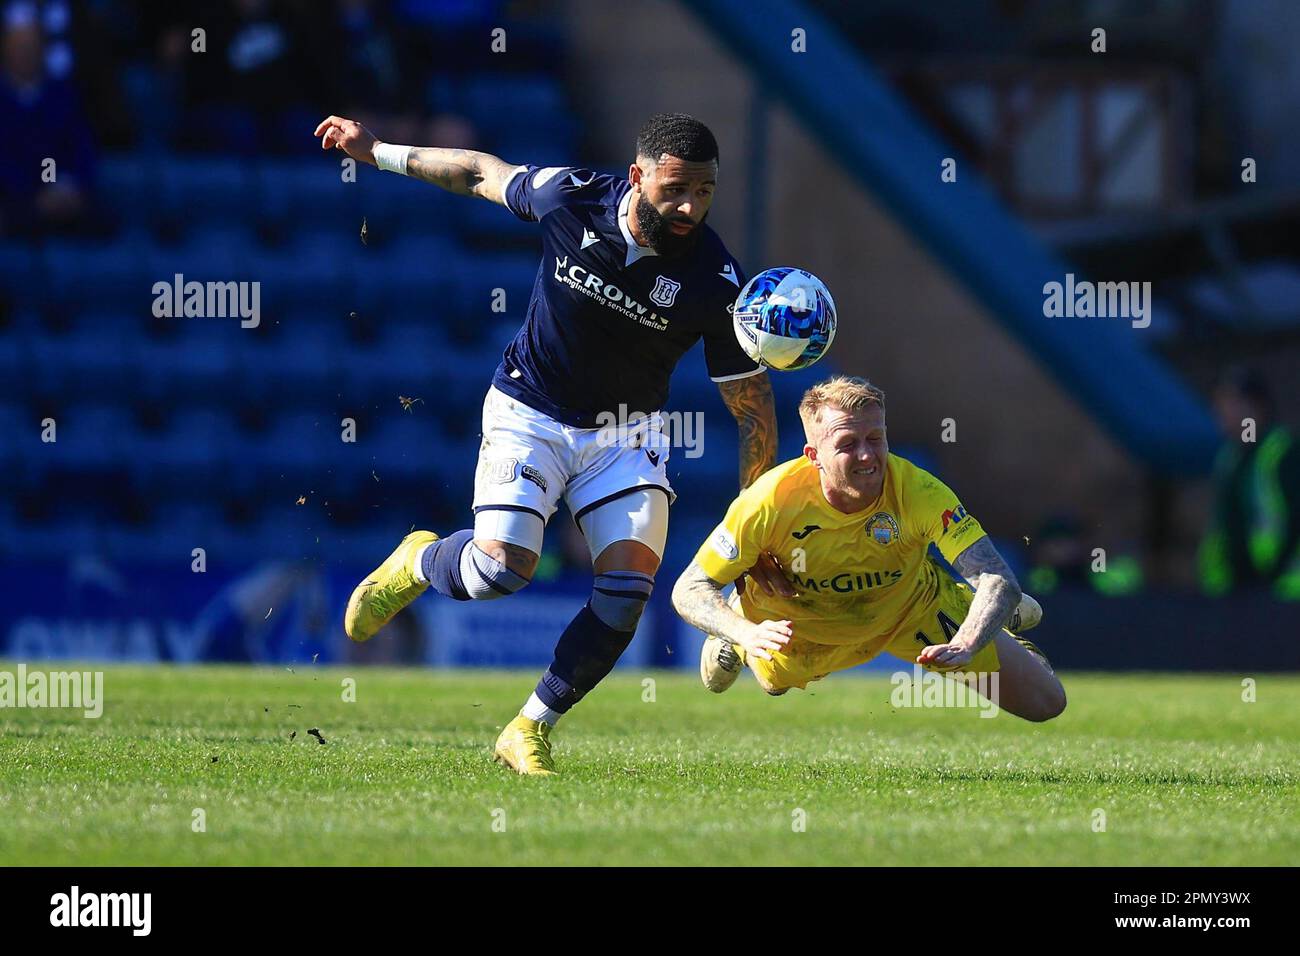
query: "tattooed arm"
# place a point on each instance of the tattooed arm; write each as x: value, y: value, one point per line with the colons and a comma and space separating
x: 465, y: 172
x: 750, y: 402
x: 997, y: 593
x: 698, y: 599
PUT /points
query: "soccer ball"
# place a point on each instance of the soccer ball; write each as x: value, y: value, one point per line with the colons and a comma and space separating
x: 785, y: 318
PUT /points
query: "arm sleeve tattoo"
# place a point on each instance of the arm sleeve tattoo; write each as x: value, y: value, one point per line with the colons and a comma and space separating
x: 698, y: 599
x: 997, y: 593
x: 750, y: 402
x: 465, y: 172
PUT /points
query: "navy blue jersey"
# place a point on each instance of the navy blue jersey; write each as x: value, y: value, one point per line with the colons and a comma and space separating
x: 608, y: 319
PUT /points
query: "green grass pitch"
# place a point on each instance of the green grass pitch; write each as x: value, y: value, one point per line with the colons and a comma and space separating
x: 1184, y: 771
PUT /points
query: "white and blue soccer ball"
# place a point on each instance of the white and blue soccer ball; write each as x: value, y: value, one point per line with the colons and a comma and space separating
x: 785, y: 318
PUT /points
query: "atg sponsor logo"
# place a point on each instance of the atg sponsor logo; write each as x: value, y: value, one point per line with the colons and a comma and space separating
x: 954, y: 516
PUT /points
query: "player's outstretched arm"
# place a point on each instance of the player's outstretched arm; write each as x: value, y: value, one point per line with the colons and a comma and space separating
x: 465, y: 172
x: 698, y: 599
x: 997, y: 593
x: 750, y: 402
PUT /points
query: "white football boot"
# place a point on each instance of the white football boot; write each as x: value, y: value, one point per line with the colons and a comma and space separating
x: 1026, y: 616
x: 720, y: 665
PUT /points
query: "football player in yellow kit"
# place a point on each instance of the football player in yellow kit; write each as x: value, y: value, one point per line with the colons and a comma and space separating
x: 851, y: 525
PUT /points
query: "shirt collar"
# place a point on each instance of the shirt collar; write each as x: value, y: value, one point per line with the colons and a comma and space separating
x: 635, y: 250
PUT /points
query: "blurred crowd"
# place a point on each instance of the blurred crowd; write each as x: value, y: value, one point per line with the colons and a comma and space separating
x: 240, y: 76
x: 1250, y: 539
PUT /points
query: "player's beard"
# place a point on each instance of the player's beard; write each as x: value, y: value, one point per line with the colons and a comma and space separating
x: 654, y: 228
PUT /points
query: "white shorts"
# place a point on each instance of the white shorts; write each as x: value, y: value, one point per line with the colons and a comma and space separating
x: 528, y: 461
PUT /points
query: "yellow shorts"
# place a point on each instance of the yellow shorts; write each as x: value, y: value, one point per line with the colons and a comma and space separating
x: 801, y: 661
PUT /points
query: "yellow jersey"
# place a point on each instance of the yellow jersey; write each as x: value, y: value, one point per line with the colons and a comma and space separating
x: 858, y: 576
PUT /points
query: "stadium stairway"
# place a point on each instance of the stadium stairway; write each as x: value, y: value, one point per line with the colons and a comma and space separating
x: 874, y: 135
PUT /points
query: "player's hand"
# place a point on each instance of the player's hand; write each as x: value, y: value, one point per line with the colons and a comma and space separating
x: 336, y: 132
x: 764, y: 638
x: 768, y: 575
x: 945, y: 656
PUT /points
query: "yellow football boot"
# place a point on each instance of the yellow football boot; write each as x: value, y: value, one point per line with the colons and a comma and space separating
x: 525, y: 747
x: 387, y: 589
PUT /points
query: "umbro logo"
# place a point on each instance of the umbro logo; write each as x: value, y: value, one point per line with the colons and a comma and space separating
x: 589, y: 238
x: 807, y: 530
x: 729, y: 273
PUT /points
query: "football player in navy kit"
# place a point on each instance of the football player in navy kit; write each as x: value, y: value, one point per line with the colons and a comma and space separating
x: 630, y: 279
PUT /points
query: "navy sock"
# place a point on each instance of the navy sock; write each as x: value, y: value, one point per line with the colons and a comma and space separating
x: 441, y: 564
x: 587, y: 651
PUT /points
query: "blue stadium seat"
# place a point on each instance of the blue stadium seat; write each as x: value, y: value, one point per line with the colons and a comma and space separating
x: 211, y: 249
x: 196, y: 442
x: 536, y: 102
x: 95, y: 361
x: 20, y: 428
x: 15, y: 369
x: 303, y: 442
x: 415, y: 274
x: 477, y: 281
x: 314, y: 270
x: 309, y: 195
x: 172, y: 371
x: 300, y: 364
x: 287, y: 531
x: 399, y: 206
x: 55, y: 540
x: 18, y: 274
x: 127, y: 187
x: 192, y: 188
x: 485, y: 223
x: 104, y: 272
x: 92, y: 436
x: 407, y: 447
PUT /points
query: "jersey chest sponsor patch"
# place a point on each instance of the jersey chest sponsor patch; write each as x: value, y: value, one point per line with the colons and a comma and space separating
x: 857, y: 558
x: 583, y: 280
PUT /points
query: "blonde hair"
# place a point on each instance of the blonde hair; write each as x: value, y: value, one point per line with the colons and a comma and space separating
x: 848, y: 393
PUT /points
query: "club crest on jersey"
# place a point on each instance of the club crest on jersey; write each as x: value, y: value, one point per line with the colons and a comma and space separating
x: 882, y: 527
x: 665, y: 291
x: 500, y: 470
